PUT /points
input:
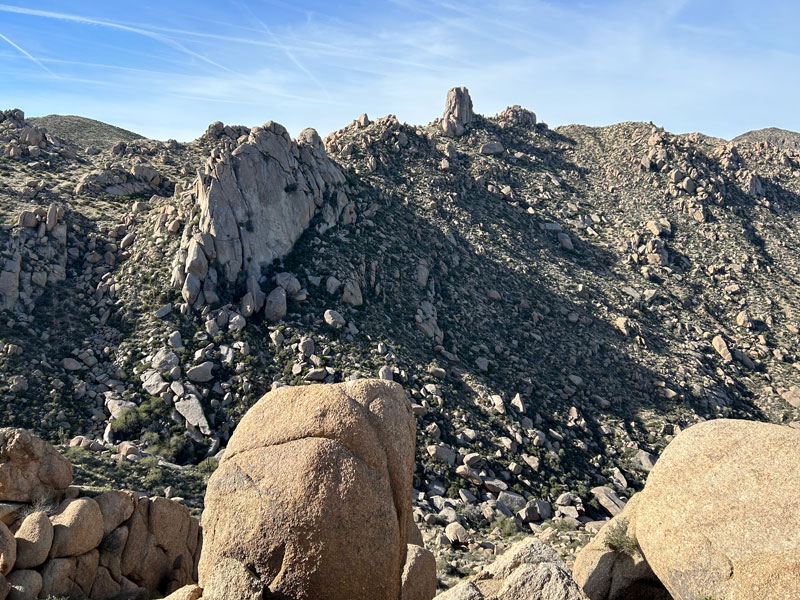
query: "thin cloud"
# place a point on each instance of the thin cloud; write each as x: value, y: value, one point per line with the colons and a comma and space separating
x: 28, y: 55
x: 111, y: 25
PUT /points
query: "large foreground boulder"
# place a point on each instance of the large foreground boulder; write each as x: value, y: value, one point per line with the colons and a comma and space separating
x: 313, y: 493
x: 528, y: 570
x: 30, y: 468
x: 719, y: 516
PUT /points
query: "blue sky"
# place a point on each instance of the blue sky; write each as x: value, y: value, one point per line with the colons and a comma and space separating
x: 168, y: 69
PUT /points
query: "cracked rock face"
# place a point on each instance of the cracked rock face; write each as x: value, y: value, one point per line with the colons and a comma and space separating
x: 313, y: 492
x: 256, y: 201
x: 457, y: 112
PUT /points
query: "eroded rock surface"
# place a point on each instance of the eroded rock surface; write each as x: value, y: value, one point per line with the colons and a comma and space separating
x: 313, y: 492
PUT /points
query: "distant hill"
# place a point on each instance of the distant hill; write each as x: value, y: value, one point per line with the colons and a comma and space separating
x: 779, y: 138
x: 83, y: 131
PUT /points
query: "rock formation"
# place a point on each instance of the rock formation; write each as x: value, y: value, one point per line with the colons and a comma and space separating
x: 457, y: 112
x: 694, y: 527
x: 527, y: 570
x: 312, y: 495
x: 54, y: 543
x: 30, y: 468
x: 254, y: 202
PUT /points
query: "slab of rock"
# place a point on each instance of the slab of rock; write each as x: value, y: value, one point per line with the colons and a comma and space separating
x: 419, y: 574
x: 30, y: 468
x: 492, y: 148
x: 334, y: 319
x: 71, y: 577
x: 313, y: 492
x: 608, y: 499
x: 231, y: 580
x: 191, y: 410
x: 188, y: 592
x: 724, y: 467
x: 202, y: 372
x: 116, y: 506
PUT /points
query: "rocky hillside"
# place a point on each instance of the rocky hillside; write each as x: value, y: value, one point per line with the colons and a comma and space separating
x: 557, y: 303
x: 83, y: 131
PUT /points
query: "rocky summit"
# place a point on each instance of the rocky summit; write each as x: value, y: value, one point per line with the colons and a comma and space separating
x: 398, y: 360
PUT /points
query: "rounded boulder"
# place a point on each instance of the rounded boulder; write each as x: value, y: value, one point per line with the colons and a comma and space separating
x: 30, y: 468
x: 313, y: 492
x: 34, y: 539
x: 77, y: 527
x: 719, y: 515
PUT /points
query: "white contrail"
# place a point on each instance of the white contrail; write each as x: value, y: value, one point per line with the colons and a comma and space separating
x: 112, y: 25
x: 293, y: 58
x: 28, y: 55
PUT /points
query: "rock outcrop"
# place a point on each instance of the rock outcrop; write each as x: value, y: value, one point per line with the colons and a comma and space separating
x: 312, y: 494
x: 611, y: 566
x: 529, y: 569
x: 30, y: 468
x: 254, y: 202
x: 457, y: 112
x: 98, y: 548
x: 693, y: 526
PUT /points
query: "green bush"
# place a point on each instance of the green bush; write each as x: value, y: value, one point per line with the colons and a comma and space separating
x: 617, y: 539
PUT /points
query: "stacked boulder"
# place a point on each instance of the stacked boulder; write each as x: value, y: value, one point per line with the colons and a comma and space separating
x: 693, y: 533
x: 253, y: 203
x: 312, y: 499
x: 36, y: 255
x: 54, y: 543
x: 120, y: 181
x: 457, y: 112
x: 22, y: 140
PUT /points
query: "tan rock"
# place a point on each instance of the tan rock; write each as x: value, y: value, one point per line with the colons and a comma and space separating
x: 463, y: 591
x: 527, y: 570
x: 419, y: 574
x: 611, y: 566
x: 8, y: 550
x: 24, y: 584
x: 104, y: 586
x: 77, y: 527
x: 231, y: 580
x: 188, y: 592
x: 30, y: 468
x: 307, y: 468
x: 414, y: 534
x: 34, y: 539
x: 111, y: 549
x: 116, y: 507
x: 696, y: 524
x: 722, y: 348
x: 457, y: 111
x: 70, y: 576
x: 161, y: 546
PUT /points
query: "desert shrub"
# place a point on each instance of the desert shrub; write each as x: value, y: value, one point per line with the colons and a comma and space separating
x: 617, y: 539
